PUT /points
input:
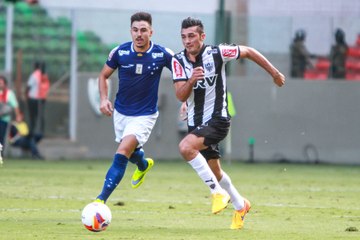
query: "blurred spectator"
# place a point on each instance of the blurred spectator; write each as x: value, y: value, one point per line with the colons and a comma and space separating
x: 8, y: 106
x: 37, y: 89
x: 338, y: 55
x: 19, y: 137
x: 300, y: 56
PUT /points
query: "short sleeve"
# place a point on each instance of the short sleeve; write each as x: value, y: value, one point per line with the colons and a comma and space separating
x: 168, y: 55
x: 229, y: 52
x: 112, y: 59
x: 178, y: 70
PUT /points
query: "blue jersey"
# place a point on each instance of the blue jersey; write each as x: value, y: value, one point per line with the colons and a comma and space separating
x: 139, y: 77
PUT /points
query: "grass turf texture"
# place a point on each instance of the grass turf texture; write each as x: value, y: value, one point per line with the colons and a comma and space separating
x: 43, y: 200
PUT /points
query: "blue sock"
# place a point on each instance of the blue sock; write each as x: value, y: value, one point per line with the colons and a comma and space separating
x: 113, y: 176
x: 138, y: 158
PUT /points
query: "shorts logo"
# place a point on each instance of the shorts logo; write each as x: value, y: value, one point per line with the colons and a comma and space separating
x: 178, y: 69
x: 229, y: 52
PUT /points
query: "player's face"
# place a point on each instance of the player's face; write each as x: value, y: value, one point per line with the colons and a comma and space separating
x: 192, y: 40
x: 141, y: 33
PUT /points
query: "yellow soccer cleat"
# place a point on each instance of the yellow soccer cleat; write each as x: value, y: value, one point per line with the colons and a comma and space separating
x: 239, y: 215
x: 219, y: 202
x: 138, y: 176
x: 99, y: 200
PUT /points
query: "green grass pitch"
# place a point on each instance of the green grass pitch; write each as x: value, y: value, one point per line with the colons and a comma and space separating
x: 44, y: 199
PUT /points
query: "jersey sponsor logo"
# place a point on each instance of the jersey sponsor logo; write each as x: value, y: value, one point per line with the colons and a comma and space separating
x: 157, y: 55
x: 178, y: 69
x: 206, y: 82
x: 127, y: 66
x: 212, y: 51
x: 139, y: 68
x: 229, y: 52
x: 123, y: 52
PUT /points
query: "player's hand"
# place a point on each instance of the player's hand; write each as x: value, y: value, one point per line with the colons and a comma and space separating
x: 279, y: 79
x: 197, y: 74
x: 106, y: 107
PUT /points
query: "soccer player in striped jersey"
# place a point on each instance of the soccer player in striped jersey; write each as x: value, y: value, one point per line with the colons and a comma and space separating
x: 139, y: 64
x: 200, y: 81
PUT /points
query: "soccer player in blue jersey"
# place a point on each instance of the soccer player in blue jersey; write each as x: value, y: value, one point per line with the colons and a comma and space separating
x: 139, y: 64
x: 200, y: 81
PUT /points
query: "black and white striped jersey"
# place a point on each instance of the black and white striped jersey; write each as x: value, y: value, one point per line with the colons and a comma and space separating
x: 208, y: 98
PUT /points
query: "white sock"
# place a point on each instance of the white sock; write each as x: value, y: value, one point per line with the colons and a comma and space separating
x: 200, y: 165
x: 236, y: 199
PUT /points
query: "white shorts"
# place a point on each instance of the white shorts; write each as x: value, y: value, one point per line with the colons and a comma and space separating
x: 139, y: 126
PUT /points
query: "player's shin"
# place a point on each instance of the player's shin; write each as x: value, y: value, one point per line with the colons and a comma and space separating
x: 113, y: 176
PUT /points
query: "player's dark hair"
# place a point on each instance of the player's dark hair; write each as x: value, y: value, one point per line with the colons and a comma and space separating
x: 37, y: 65
x: 191, y: 22
x: 141, y: 16
x: 3, y: 78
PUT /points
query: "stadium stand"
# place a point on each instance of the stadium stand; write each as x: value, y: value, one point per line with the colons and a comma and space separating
x: 353, y: 61
x: 41, y: 37
x: 320, y: 70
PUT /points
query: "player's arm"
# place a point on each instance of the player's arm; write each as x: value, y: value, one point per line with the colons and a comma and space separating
x: 257, y: 57
x: 183, y: 89
x: 105, y: 104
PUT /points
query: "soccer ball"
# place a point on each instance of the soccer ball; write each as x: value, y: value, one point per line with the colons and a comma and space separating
x: 96, y: 216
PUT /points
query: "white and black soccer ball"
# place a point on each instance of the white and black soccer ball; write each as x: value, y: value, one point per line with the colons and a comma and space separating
x: 96, y: 216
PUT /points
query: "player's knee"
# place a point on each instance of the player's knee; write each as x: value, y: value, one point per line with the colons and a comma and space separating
x: 185, y: 148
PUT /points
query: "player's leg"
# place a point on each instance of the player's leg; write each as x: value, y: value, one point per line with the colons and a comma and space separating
x: 141, y: 127
x: 189, y: 148
x: 226, y: 183
x: 117, y: 170
x: 240, y: 204
x: 3, y: 131
x: 127, y: 144
x: 143, y: 166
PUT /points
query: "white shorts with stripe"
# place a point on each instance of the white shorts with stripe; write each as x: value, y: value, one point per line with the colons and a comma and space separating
x: 139, y: 126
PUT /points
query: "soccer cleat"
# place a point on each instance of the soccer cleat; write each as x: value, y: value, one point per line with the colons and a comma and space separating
x: 139, y: 176
x: 219, y: 202
x: 239, y: 215
x: 99, y: 200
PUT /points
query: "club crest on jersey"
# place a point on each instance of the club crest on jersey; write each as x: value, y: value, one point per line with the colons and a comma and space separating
x: 157, y: 55
x: 209, y: 66
x: 229, y: 52
x: 206, y: 82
